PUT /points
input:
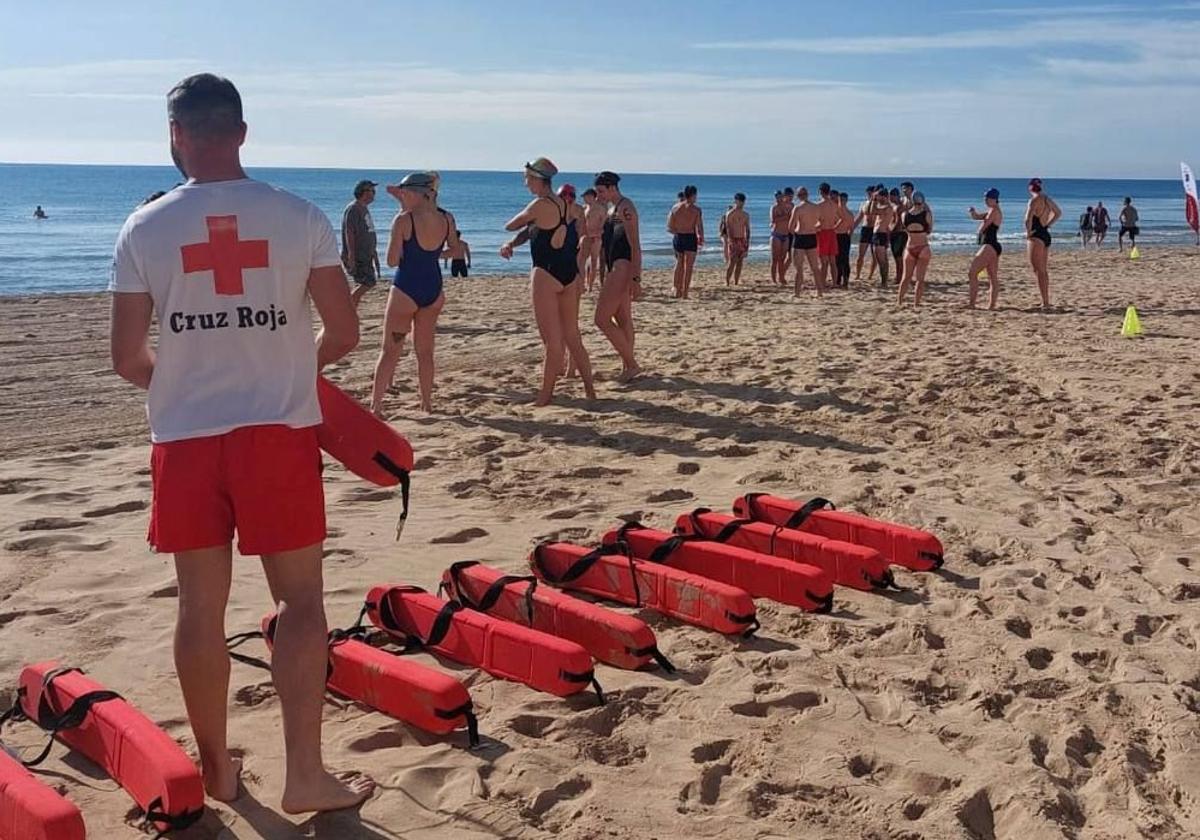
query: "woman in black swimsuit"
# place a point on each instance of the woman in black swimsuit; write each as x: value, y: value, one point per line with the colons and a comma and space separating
x: 622, y: 248
x: 917, y: 224
x: 555, y: 248
x: 988, y: 255
x: 1040, y: 216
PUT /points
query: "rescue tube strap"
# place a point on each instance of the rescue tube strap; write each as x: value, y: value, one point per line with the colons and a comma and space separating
x: 492, y: 595
x: 580, y: 566
x: 72, y: 717
x: 173, y: 822
x: 240, y: 639
x: 466, y: 710
x: 751, y: 619
x: 936, y: 559
x: 806, y: 510
x: 656, y: 654
x: 585, y: 677
x: 405, y: 479
x: 824, y: 605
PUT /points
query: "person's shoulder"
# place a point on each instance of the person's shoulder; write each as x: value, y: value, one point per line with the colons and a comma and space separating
x: 157, y: 213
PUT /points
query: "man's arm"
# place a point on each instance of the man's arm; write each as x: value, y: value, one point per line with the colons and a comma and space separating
x: 129, y: 332
x: 339, y: 320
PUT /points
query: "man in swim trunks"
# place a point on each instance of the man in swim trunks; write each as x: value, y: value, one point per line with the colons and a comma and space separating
x: 1129, y: 225
x: 594, y: 214
x: 1100, y: 222
x: 360, y: 252
x: 781, y: 236
x: 844, y: 238
x: 685, y: 223
x: 828, y: 213
x: 458, y: 254
x: 229, y: 264
x: 866, y: 218
x: 737, y: 231
x: 885, y: 221
x: 804, y: 223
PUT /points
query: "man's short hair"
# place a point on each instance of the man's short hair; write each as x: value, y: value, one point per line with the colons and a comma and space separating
x: 588, y: 191
x: 824, y: 188
x: 206, y: 105
x: 689, y: 191
x: 908, y: 184
x: 739, y: 196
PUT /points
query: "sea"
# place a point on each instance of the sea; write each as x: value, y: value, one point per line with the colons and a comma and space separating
x: 71, y: 250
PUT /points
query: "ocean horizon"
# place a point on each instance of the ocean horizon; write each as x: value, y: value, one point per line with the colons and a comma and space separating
x: 86, y: 204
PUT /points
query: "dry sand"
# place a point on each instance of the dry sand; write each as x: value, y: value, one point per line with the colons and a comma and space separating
x: 1045, y: 685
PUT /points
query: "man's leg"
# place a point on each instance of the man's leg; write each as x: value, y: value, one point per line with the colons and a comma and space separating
x: 298, y: 665
x: 202, y: 662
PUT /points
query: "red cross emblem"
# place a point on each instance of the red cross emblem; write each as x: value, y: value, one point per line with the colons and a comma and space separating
x: 225, y: 255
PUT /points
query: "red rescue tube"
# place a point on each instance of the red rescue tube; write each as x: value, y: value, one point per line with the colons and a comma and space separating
x: 763, y: 576
x: 624, y: 641
x: 850, y: 565
x: 367, y: 446
x: 30, y: 810
x: 912, y: 548
x: 400, y: 688
x: 143, y: 759
x: 611, y: 572
x: 501, y: 648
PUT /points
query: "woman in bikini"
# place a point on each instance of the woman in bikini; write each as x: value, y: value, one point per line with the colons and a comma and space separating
x: 917, y: 224
x: 988, y: 255
x: 419, y: 233
x: 622, y: 247
x: 1040, y: 216
x: 554, y: 247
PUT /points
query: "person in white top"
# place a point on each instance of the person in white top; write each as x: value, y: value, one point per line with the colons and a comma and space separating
x: 229, y: 265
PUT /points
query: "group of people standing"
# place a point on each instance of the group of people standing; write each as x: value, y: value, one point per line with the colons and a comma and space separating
x: 571, y: 247
x: 1094, y: 223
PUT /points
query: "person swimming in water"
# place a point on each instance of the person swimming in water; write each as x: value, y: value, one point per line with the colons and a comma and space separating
x: 988, y: 256
x: 554, y: 277
x: 1040, y: 215
x: 419, y: 234
x: 622, y: 245
x: 39, y: 213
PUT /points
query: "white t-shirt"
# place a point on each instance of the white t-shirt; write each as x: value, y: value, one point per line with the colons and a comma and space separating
x: 227, y: 266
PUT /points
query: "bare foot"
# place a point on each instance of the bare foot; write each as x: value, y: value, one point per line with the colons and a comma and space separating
x: 327, y: 793
x: 630, y: 374
x: 222, y: 778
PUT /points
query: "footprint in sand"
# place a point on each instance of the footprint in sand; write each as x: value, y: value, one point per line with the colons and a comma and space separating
x: 50, y: 523
x: 10, y: 617
x: 366, y: 494
x: 711, y: 751
x: 675, y: 494
x: 687, y: 468
x: 64, y: 496
x: 254, y: 695
x: 707, y: 789
x: 458, y: 537
x: 121, y: 507
x: 762, y: 707
x: 1039, y: 658
x: 8, y: 486
x: 570, y: 789
x: 48, y: 542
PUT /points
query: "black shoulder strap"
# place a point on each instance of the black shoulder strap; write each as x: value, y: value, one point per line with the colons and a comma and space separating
x: 405, y: 479
x: 808, y: 509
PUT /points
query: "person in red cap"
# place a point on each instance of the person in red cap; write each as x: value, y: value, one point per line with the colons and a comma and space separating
x: 230, y: 266
x: 1040, y: 215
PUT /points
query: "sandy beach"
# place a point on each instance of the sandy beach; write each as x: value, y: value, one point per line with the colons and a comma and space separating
x: 1045, y: 684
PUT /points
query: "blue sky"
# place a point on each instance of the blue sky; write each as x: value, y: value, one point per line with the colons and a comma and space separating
x: 928, y: 88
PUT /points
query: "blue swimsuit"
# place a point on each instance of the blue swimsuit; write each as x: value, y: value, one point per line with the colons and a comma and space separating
x: 419, y: 274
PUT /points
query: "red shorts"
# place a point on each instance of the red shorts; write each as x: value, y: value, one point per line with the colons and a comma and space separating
x: 262, y: 481
x: 827, y: 243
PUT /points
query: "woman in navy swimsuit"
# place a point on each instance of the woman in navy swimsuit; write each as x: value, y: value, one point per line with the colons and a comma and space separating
x: 419, y: 233
x: 554, y: 245
x: 1040, y: 216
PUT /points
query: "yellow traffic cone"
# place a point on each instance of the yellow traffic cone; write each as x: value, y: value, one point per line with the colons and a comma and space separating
x: 1132, y: 326
x: 1134, y: 253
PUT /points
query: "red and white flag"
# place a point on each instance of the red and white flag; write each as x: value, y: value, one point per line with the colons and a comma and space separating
x: 1192, y: 208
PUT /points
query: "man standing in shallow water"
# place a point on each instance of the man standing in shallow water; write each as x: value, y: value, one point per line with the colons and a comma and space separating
x: 229, y: 265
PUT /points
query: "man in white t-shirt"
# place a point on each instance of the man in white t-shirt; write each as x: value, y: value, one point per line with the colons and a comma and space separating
x: 229, y: 265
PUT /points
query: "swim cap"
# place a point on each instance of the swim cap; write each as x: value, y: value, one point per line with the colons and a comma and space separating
x: 1035, y: 184
x: 542, y: 167
x: 993, y: 193
x: 567, y: 190
x: 607, y: 179
x: 418, y: 181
